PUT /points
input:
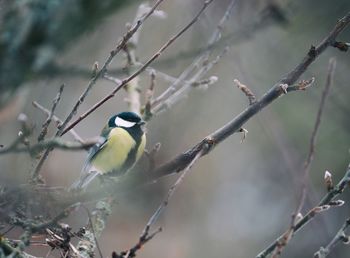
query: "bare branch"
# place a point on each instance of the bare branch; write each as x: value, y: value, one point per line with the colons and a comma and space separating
x: 146, y: 236
x: 326, y: 200
x: 112, y: 79
x: 141, y: 69
x: 278, y: 250
x: 184, y: 82
x: 201, y: 59
x: 46, y: 124
x: 181, y: 160
x: 96, y: 224
x: 102, y: 71
x: 91, y: 226
x: 58, y: 121
x: 151, y: 155
x: 340, y: 237
x: 57, y: 143
x: 149, y: 97
x: 34, y: 226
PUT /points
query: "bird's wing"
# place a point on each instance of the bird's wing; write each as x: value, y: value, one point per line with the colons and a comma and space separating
x: 86, y: 175
x: 97, y: 147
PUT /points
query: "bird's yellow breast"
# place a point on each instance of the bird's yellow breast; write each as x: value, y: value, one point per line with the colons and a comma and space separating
x: 115, y: 152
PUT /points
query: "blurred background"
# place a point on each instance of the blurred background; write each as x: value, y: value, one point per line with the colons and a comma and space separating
x: 236, y: 200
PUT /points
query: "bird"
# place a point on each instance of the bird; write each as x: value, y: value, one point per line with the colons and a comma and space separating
x: 122, y: 143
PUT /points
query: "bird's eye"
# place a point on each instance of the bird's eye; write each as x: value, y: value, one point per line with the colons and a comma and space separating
x: 123, y: 123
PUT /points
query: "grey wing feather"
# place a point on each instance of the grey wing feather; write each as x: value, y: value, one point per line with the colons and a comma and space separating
x: 86, y: 176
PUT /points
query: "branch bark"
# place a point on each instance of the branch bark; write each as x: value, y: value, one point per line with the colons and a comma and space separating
x: 182, y: 160
x: 284, y: 85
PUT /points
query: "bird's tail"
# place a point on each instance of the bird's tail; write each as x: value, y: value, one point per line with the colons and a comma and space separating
x: 84, y: 180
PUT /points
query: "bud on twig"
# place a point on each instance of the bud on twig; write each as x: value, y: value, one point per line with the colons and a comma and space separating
x: 328, y: 180
x: 298, y: 217
x: 336, y: 203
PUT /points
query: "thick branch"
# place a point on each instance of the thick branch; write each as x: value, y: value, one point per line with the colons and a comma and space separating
x: 182, y: 160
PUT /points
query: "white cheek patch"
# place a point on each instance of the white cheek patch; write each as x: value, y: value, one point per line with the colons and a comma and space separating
x: 123, y: 123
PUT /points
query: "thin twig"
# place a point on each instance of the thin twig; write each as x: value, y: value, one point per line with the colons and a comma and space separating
x: 97, y: 223
x: 102, y: 71
x: 146, y: 235
x: 180, y: 92
x: 278, y: 250
x: 47, y: 122
x: 112, y: 79
x: 62, y: 128
x: 151, y: 155
x: 244, y: 88
x: 147, y: 114
x: 340, y: 237
x: 235, y: 37
x: 141, y: 69
x: 33, y: 226
x: 56, y: 142
x: 171, y: 191
x: 93, y: 231
x: 75, y: 135
x: 201, y: 59
x: 326, y: 200
x: 237, y: 122
x: 181, y: 160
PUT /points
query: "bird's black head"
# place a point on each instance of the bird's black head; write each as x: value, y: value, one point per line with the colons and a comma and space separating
x: 125, y: 120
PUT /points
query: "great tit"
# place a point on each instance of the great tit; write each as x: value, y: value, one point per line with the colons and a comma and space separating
x: 122, y: 143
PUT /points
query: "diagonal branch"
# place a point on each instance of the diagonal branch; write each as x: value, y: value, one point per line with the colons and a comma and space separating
x: 146, y: 235
x: 49, y: 118
x: 338, y: 238
x: 326, y: 200
x: 140, y: 70
x: 108, y: 61
x: 180, y: 161
x: 61, y: 130
x: 58, y: 121
x: 307, y: 165
x: 200, y: 63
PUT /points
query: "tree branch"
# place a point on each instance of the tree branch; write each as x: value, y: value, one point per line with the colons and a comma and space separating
x: 102, y: 71
x: 338, y: 238
x: 57, y: 143
x: 140, y: 70
x: 146, y: 235
x: 47, y: 122
x: 181, y: 160
x: 326, y: 200
x: 75, y: 135
x: 307, y: 165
